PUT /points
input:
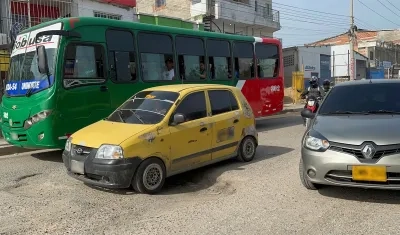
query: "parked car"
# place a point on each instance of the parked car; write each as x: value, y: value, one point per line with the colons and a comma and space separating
x: 354, y: 138
x: 160, y: 132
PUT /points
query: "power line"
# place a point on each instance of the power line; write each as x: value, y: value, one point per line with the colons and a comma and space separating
x: 393, y: 5
x: 387, y: 7
x: 377, y: 13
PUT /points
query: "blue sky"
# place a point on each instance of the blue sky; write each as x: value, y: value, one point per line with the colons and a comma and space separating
x: 301, y: 26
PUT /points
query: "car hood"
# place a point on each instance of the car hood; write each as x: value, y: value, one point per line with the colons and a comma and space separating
x: 355, y: 129
x: 106, y: 132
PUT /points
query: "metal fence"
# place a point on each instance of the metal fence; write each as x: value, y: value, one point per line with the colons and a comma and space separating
x: 17, y: 15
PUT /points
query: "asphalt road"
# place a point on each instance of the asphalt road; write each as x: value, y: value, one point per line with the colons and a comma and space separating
x: 262, y: 197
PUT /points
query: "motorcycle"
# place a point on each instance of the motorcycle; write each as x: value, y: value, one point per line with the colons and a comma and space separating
x: 312, y: 105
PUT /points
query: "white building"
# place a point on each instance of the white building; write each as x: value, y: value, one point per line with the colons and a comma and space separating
x: 341, y: 66
x: 247, y: 17
x: 17, y: 15
x: 325, y: 62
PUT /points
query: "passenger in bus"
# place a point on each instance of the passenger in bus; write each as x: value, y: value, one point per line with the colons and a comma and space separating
x: 202, y: 74
x: 169, y: 74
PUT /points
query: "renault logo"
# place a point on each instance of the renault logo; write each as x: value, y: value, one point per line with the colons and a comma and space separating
x: 14, y: 107
x: 368, y: 151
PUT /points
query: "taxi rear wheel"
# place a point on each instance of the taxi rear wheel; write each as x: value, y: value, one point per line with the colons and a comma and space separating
x: 247, y: 149
x: 149, y: 177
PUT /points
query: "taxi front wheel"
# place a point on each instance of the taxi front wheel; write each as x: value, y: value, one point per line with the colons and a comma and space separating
x: 247, y: 149
x: 149, y: 177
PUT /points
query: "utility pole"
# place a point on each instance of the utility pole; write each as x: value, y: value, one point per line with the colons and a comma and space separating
x: 352, y: 39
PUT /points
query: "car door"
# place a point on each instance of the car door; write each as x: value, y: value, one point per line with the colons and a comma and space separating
x: 190, y: 140
x: 225, y: 121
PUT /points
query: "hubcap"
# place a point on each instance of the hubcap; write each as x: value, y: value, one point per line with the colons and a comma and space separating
x: 248, y: 148
x: 152, y: 176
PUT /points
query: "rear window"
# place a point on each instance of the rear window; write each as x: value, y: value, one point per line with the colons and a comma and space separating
x: 362, y: 98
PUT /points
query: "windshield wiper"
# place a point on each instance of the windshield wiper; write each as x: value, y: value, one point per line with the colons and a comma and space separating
x: 121, y: 116
x: 382, y: 111
x: 136, y: 116
x: 29, y: 92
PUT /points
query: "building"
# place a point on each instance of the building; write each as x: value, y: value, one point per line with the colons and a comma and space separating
x: 247, y: 17
x: 313, y: 61
x: 324, y: 62
x: 17, y: 15
x: 382, y: 48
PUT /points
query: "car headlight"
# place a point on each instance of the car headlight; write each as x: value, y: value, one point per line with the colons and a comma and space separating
x: 36, y: 118
x: 315, y: 143
x: 68, y: 144
x: 107, y: 151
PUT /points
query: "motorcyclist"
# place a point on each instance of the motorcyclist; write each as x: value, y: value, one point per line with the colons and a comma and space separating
x: 326, y: 84
x: 312, y: 90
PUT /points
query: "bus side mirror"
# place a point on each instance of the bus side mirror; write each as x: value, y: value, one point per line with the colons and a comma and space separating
x: 42, y: 60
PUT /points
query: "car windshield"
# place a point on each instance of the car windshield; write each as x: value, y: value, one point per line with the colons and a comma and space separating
x: 382, y: 98
x: 146, y: 107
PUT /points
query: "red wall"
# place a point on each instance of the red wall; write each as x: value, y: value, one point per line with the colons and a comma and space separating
x: 126, y: 3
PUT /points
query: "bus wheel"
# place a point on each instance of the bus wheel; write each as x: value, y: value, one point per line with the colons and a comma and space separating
x: 149, y: 177
x: 247, y: 149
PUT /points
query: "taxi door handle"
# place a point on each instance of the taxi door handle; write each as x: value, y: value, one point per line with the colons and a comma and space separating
x: 236, y: 121
x: 103, y: 88
x: 203, y: 129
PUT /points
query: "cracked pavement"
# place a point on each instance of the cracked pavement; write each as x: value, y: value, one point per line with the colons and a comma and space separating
x: 261, y: 197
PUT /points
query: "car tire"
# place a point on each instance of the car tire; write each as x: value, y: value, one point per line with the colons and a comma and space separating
x: 303, y: 177
x: 150, y: 176
x: 247, y: 149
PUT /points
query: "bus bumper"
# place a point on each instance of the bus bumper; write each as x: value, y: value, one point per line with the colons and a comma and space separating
x: 101, y: 172
x: 33, y: 138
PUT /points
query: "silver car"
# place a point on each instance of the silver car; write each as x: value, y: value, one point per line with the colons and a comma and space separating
x: 354, y: 138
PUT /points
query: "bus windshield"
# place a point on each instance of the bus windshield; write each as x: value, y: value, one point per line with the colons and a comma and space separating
x: 24, y: 77
x: 24, y: 72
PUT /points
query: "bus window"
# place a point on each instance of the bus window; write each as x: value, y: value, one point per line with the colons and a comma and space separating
x: 121, y: 55
x: 84, y: 61
x: 219, y: 57
x: 192, y: 65
x: 243, y: 54
x: 156, y: 55
x: 267, y: 60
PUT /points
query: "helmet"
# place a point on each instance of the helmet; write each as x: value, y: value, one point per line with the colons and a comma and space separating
x: 326, y: 84
x: 314, y: 82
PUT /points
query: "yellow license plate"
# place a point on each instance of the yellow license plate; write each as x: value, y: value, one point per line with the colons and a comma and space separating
x: 369, y: 173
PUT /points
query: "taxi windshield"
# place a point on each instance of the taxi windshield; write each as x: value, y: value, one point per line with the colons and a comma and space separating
x: 146, y: 107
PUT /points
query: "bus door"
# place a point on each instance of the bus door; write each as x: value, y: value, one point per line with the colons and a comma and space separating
x: 85, y: 98
x: 270, y: 78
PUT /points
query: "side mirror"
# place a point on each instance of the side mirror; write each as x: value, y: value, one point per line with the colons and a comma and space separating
x: 42, y: 60
x: 306, y: 113
x: 178, y: 119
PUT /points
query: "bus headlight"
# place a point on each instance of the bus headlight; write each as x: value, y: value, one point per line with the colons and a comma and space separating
x: 36, y: 118
x: 68, y: 144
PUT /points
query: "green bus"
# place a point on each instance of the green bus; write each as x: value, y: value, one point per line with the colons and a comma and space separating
x: 68, y: 73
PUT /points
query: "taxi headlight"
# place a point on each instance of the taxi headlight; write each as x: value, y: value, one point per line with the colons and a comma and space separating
x: 68, y: 144
x: 108, y: 151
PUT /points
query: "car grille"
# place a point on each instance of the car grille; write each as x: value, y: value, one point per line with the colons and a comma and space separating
x: 81, y: 152
x: 346, y: 177
x: 355, y: 150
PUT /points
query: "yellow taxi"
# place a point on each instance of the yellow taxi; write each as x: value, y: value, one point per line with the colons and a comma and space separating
x: 160, y: 132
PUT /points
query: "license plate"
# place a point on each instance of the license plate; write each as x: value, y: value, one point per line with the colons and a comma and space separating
x: 77, y: 167
x: 311, y: 103
x: 369, y: 173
